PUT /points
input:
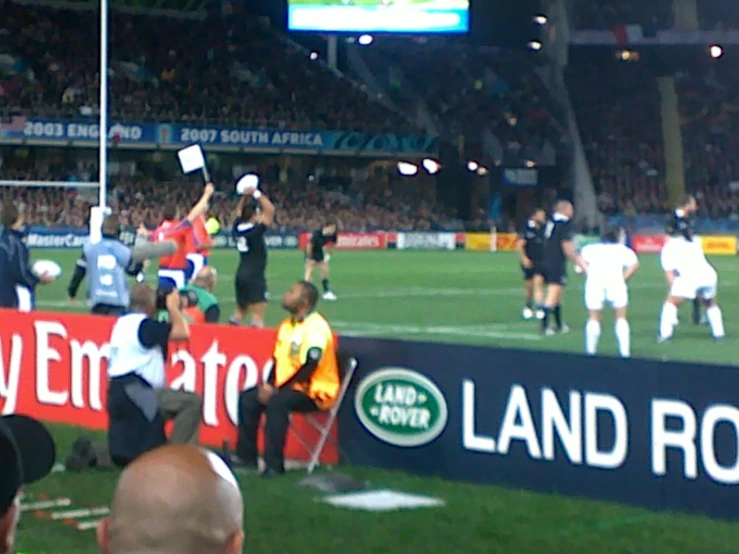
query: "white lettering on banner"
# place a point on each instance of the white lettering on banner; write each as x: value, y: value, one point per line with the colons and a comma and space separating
x: 594, y: 457
x: 554, y: 422
x: 430, y: 241
x: 43, y: 129
x: 713, y: 416
x: 518, y: 424
x: 358, y: 241
x: 45, y: 354
x: 297, y: 139
x: 68, y: 240
x: 10, y: 374
x: 518, y: 409
x: 684, y: 438
x: 95, y: 356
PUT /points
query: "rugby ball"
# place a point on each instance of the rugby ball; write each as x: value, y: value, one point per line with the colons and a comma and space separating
x: 247, y: 184
x: 52, y: 269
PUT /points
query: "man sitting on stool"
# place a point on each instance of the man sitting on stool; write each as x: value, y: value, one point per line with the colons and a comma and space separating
x: 304, y: 378
x: 138, y: 348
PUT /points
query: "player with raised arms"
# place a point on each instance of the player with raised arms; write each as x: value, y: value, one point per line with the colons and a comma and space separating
x: 689, y: 276
x: 199, y: 246
x: 529, y: 245
x: 173, y: 268
x: 255, y: 214
x: 317, y: 253
x: 558, y: 248
x: 610, y: 265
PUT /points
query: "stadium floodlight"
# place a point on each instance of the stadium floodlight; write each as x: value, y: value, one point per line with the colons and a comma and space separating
x: 473, y: 166
x: 314, y: 56
x: 366, y: 40
x: 716, y: 51
x: 540, y: 19
x: 482, y: 171
x: 534, y: 45
x: 407, y: 169
x: 431, y: 166
x: 529, y: 163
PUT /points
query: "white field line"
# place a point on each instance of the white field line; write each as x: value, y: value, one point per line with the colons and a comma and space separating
x: 495, y: 331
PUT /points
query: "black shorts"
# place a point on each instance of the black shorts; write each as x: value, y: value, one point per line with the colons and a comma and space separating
x: 531, y: 272
x: 250, y: 288
x: 555, y: 275
x: 317, y: 257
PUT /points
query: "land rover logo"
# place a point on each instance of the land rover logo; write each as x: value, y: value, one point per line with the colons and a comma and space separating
x: 401, y: 407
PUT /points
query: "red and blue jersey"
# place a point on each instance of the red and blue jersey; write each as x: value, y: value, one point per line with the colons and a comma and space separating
x: 181, y: 232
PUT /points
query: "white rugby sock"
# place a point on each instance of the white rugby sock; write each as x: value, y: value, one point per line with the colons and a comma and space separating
x: 716, y: 321
x: 623, y: 336
x: 667, y: 320
x: 592, y: 334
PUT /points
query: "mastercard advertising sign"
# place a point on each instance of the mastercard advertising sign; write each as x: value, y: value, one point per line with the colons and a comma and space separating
x: 719, y: 245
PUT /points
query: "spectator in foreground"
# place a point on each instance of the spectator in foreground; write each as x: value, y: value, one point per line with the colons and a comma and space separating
x: 27, y: 454
x: 152, y: 512
x: 201, y: 303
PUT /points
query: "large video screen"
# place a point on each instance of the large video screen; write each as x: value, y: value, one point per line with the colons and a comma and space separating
x: 379, y: 16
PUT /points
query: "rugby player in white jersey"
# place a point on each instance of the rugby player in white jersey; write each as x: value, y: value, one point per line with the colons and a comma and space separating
x: 610, y: 265
x: 689, y: 276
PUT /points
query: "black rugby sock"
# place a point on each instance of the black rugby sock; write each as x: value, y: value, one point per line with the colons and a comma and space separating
x: 558, y: 316
x: 325, y: 285
x: 696, y: 311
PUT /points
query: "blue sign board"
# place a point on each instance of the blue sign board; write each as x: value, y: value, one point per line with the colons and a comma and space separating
x: 215, y: 138
x: 663, y: 436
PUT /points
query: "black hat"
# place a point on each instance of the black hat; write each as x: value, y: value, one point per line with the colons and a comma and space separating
x: 27, y: 453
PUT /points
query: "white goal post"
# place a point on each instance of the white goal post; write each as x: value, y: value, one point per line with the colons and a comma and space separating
x: 493, y: 239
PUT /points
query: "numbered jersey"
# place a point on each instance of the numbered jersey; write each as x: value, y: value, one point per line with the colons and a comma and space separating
x: 106, y: 263
x: 249, y: 239
x: 557, y: 231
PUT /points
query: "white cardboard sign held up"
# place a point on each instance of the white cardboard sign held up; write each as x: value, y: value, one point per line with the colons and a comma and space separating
x: 191, y: 158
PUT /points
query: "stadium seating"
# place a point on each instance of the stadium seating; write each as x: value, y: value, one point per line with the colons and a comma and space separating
x: 239, y: 74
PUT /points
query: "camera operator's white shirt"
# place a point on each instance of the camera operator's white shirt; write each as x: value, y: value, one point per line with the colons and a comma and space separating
x: 128, y: 355
x: 605, y: 278
x: 693, y: 273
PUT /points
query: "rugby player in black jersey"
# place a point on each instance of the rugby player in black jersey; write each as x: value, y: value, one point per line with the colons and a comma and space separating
x: 558, y: 248
x: 529, y: 246
x: 255, y: 213
x: 317, y: 253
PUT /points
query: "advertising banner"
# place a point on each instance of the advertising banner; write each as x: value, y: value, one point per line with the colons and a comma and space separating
x: 53, y: 366
x: 719, y: 246
x: 150, y: 135
x: 354, y: 241
x: 478, y: 241
x: 44, y: 237
x: 663, y: 436
x: 426, y: 241
x: 506, y: 242
x: 648, y: 244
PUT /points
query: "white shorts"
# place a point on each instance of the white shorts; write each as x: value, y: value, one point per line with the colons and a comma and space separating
x: 596, y: 295
x: 198, y: 263
x: 177, y: 276
x: 25, y: 298
x: 689, y: 288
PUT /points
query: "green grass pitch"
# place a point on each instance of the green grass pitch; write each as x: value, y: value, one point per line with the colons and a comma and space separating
x: 469, y: 297
x: 465, y: 297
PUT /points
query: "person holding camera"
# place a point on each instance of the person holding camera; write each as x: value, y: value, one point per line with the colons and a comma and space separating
x: 138, y: 350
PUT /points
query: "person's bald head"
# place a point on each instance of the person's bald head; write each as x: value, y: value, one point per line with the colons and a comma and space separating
x: 565, y: 208
x: 206, y: 278
x: 177, y: 499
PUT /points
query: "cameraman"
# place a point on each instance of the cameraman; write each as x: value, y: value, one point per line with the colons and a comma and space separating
x: 200, y: 303
x: 138, y: 350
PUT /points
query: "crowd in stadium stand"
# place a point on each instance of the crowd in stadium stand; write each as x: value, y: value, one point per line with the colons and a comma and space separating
x: 381, y: 202
x: 622, y: 135
x: 241, y: 74
x: 652, y: 16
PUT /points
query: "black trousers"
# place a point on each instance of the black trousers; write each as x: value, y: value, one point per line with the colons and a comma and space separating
x: 277, y: 421
x: 107, y: 309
